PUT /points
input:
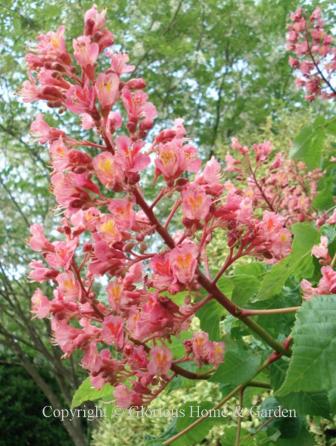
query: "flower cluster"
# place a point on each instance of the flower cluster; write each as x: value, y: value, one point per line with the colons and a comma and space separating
x: 314, y: 54
x: 282, y: 188
x: 114, y: 299
x: 327, y: 282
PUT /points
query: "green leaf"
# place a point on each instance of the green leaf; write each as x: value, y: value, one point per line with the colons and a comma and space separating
x: 314, y: 403
x: 210, y: 316
x: 225, y: 284
x: 332, y: 400
x: 287, y: 425
x: 303, y: 439
x: 309, y: 142
x: 313, y: 363
x: 245, y: 288
x: 299, y: 263
x: 277, y: 373
x: 239, y: 365
x: 290, y: 296
x: 324, y: 198
x: 86, y: 392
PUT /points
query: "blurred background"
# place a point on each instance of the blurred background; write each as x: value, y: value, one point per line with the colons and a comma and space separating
x: 219, y: 64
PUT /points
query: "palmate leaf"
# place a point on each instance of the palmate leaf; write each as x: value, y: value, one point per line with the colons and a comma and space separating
x: 312, y: 366
x: 310, y: 403
x: 305, y: 403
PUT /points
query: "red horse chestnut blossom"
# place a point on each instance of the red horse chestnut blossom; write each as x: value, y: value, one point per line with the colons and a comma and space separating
x: 314, y: 54
x: 125, y: 326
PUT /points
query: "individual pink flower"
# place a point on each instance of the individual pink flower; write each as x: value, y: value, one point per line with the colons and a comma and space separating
x: 211, y: 172
x: 52, y: 42
x: 40, y: 273
x: 235, y: 144
x: 50, y: 48
x: 86, y: 53
x: 87, y: 121
x: 332, y: 219
x: 200, y: 344
x: 155, y: 317
x: 115, y: 294
x: 40, y: 304
x: 94, y: 20
x: 62, y: 254
x: 69, y: 286
x: 215, y: 353
x: 107, y: 89
x: 244, y: 213
x: 108, y: 170
x: 119, y: 63
x: 307, y: 289
x: 29, y: 91
x: 122, y: 211
x: 168, y: 161
x: 161, y: 266
x: 70, y: 338
x: 195, y: 202
x: 123, y: 396
x: 160, y: 361
x: 271, y: 222
x: 85, y: 219
x: 113, y: 331
x: 326, y: 285
x: 131, y: 157
x: 134, y: 275
x: 321, y: 251
x: 38, y: 241
x: 262, y: 151
x: 80, y: 99
x: 183, y: 261
x: 230, y: 163
x: 108, y: 229
x: 138, y: 109
x: 41, y: 130
x: 136, y: 356
x: 190, y: 161
x: 106, y: 258
x: 59, y: 153
x: 281, y: 243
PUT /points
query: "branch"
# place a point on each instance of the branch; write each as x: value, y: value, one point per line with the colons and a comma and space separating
x: 233, y: 392
x: 209, y: 286
x: 18, y: 207
x: 248, y: 312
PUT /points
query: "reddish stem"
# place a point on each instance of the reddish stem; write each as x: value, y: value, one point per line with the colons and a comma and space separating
x: 209, y: 286
x: 172, y: 213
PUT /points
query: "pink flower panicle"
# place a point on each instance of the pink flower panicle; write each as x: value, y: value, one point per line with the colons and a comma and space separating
x: 125, y: 331
x: 314, y: 55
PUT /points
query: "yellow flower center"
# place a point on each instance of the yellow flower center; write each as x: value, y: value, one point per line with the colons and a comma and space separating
x: 106, y: 165
x: 167, y: 157
x: 184, y: 260
x: 109, y: 228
